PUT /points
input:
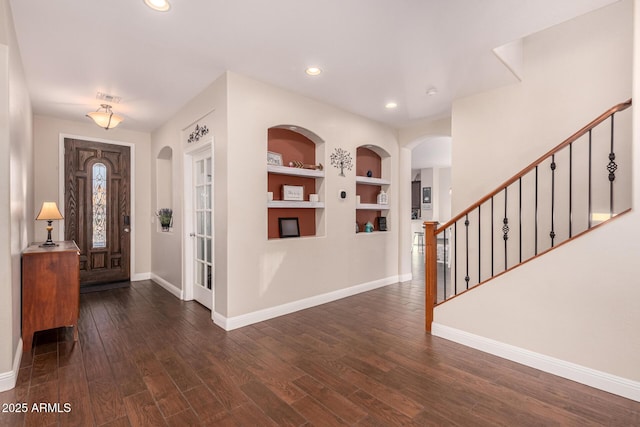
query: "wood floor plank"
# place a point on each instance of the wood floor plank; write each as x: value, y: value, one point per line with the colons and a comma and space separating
x: 336, y: 403
x: 204, y: 403
x: 181, y: 373
x: 40, y: 394
x: 142, y: 410
x: 45, y: 367
x: 166, y: 394
x: 317, y: 414
x: 274, y: 407
x: 106, y: 400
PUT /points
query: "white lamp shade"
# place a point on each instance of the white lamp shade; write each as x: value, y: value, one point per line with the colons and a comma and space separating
x: 105, y: 119
x: 49, y: 212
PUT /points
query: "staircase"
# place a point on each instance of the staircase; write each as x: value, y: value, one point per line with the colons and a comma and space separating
x: 577, y: 186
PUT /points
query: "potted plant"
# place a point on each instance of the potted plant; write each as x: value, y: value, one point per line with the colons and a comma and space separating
x: 166, y: 218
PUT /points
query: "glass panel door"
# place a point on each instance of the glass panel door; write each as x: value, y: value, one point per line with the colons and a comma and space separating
x: 203, y: 236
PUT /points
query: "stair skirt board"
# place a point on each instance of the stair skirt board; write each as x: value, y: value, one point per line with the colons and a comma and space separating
x: 583, y: 375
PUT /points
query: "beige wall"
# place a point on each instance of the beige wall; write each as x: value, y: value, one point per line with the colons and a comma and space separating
x: 253, y: 273
x: 578, y: 304
x: 266, y: 273
x: 208, y: 109
x: 16, y: 186
x: 47, y: 133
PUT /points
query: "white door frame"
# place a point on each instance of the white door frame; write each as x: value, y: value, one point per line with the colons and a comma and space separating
x: 188, y: 222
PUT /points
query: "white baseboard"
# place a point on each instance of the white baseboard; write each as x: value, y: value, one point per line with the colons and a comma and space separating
x: 591, y: 377
x: 176, y: 291
x: 405, y: 278
x: 8, y: 379
x: 231, y: 323
x: 140, y: 276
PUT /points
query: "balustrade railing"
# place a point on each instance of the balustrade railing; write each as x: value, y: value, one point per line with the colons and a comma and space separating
x: 578, y: 185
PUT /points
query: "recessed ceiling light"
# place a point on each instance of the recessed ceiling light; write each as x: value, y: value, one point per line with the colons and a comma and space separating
x: 313, y: 71
x: 432, y: 91
x: 390, y: 105
x: 159, y: 5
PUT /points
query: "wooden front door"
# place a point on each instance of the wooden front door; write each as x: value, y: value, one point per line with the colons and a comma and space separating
x: 97, y: 208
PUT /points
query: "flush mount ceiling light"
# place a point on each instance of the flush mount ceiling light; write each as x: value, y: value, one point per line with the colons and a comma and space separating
x: 391, y: 105
x: 432, y: 91
x: 106, y: 119
x: 313, y: 71
x: 159, y: 5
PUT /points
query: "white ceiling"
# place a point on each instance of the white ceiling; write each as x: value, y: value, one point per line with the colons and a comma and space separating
x: 432, y: 153
x: 371, y: 51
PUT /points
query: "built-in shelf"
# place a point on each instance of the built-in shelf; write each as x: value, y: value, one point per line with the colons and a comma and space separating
x: 295, y: 204
x: 370, y: 233
x: 286, y: 170
x: 365, y: 180
x: 372, y: 206
x: 300, y: 146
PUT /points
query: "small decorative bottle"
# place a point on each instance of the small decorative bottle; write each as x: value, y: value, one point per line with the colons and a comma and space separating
x: 383, y: 199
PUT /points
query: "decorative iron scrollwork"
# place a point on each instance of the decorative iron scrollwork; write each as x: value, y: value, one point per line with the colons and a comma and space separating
x: 612, y: 167
x: 505, y: 229
x: 198, y: 133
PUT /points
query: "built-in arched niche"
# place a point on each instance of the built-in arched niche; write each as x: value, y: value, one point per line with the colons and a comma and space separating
x: 164, y: 179
x: 294, y: 156
x: 373, y: 169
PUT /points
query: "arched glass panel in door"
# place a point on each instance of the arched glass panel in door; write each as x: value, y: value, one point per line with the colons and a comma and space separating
x: 99, y: 205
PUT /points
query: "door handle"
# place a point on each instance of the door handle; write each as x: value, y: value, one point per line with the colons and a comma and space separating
x: 192, y: 234
x: 127, y: 223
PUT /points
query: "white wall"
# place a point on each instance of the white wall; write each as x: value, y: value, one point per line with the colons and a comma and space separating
x: 266, y: 273
x: 572, y: 73
x: 47, y: 132
x: 16, y: 186
x: 252, y: 273
x: 579, y: 303
x: 208, y: 109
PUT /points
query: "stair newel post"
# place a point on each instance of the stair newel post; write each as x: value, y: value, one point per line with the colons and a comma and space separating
x: 430, y: 271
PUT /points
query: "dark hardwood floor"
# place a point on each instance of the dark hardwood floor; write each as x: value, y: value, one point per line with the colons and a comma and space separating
x: 146, y: 358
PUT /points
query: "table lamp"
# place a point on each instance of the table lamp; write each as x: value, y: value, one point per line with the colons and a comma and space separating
x: 48, y: 213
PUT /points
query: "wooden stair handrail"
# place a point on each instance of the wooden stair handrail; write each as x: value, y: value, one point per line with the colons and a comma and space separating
x: 601, y: 118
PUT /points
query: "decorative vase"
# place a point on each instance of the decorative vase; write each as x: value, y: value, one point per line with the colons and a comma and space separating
x: 382, y: 199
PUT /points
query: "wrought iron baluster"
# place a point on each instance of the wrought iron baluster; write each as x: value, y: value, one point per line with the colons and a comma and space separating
x: 570, y: 189
x: 552, y: 234
x: 479, y: 246
x: 444, y: 265
x: 455, y: 258
x: 611, y: 167
x: 590, y: 213
x: 536, y: 216
x: 492, y: 235
x: 466, y: 224
x: 520, y: 215
x: 505, y: 228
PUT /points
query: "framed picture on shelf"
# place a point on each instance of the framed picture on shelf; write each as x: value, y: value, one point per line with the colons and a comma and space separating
x: 293, y: 192
x: 274, y: 159
x: 382, y: 223
x: 426, y: 198
x: 289, y: 227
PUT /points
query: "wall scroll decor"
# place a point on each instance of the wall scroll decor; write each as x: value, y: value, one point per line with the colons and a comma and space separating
x: 198, y: 133
x: 341, y: 159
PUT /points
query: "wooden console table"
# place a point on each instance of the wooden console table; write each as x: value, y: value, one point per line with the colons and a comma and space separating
x: 50, y: 289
